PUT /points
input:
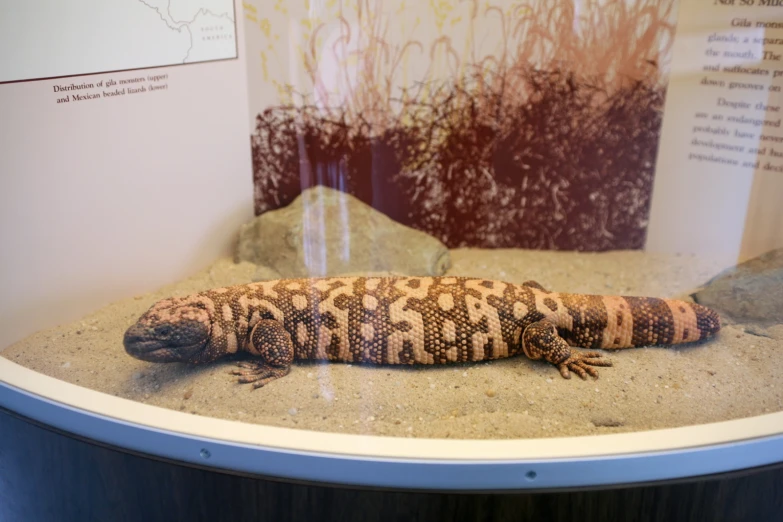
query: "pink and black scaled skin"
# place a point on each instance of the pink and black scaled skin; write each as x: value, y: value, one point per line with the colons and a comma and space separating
x: 406, y: 320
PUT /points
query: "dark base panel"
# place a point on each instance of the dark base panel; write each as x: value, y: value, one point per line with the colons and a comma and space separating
x: 48, y: 476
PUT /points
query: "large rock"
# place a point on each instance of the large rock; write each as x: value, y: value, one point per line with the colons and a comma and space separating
x: 750, y: 291
x: 327, y: 232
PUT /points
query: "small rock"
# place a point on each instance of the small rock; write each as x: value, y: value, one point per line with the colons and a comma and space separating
x: 188, y: 394
x: 292, y: 411
x: 66, y: 365
x: 137, y: 375
x: 490, y: 393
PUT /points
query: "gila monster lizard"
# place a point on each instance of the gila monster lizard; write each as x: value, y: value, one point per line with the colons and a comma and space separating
x: 406, y: 320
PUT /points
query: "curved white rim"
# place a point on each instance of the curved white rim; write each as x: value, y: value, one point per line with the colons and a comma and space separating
x: 390, y: 461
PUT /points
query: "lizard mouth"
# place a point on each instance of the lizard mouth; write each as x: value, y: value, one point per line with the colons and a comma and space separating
x: 139, y: 344
x: 150, y: 350
x: 154, y: 355
x: 155, y: 351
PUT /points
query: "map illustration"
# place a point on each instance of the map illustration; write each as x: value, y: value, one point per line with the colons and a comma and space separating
x: 50, y: 38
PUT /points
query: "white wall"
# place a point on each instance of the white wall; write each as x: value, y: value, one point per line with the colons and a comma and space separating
x: 729, y: 213
x: 108, y: 198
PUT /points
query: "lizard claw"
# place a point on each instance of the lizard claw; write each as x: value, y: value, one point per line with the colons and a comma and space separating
x: 582, y: 364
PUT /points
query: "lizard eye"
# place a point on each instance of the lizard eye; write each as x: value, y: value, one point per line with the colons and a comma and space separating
x: 163, y: 330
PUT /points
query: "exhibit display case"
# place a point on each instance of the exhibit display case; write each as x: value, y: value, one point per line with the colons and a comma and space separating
x: 444, y: 246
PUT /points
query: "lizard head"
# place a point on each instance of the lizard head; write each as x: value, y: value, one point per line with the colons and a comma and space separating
x: 173, y: 330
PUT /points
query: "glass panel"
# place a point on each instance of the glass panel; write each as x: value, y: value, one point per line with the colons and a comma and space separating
x: 467, y: 219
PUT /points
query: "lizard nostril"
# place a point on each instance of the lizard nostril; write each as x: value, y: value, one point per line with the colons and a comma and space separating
x: 132, y: 335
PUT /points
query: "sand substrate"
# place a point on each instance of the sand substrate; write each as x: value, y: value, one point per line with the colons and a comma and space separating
x: 737, y: 374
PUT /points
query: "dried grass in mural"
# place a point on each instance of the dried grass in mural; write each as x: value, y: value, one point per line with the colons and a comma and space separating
x: 549, y: 142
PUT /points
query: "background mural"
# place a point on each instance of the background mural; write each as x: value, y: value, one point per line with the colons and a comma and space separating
x: 486, y: 124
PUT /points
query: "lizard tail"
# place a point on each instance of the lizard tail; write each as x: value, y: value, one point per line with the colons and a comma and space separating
x: 707, y: 320
x: 645, y: 321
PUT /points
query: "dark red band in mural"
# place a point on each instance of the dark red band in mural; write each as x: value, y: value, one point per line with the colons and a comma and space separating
x: 513, y: 155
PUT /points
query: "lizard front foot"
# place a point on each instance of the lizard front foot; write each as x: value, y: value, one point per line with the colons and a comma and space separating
x: 258, y: 373
x: 270, y: 341
x: 540, y: 340
x: 582, y: 364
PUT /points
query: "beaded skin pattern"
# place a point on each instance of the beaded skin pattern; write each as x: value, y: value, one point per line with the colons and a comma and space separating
x: 406, y: 320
